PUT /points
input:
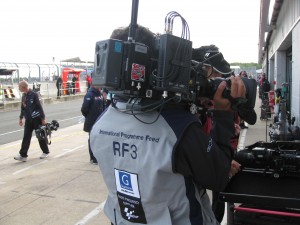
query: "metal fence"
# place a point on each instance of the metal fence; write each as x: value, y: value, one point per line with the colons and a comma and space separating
x: 11, y: 93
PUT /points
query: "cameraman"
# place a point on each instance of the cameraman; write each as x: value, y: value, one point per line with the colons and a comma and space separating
x: 158, y: 164
x: 33, y: 112
x: 216, y: 66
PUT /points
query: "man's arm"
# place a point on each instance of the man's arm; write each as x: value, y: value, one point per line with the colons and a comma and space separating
x: 207, y: 158
x: 22, y: 109
x: 86, y: 104
x: 40, y: 108
x: 22, y: 112
x: 39, y: 105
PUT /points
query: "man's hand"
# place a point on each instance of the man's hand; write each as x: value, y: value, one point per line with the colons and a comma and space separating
x: 21, y: 122
x: 234, y: 169
x: 43, y: 122
x: 238, y: 89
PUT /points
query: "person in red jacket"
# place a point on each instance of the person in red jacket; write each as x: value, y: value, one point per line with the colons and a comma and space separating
x: 88, y: 82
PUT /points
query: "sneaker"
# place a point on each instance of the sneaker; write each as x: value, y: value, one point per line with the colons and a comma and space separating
x: 94, y: 162
x: 44, y: 155
x: 20, y: 158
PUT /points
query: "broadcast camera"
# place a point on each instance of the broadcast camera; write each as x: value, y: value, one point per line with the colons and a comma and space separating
x: 163, y: 73
x: 278, y: 159
x: 44, y: 131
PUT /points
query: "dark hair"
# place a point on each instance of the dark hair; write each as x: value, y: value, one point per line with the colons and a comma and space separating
x: 243, y: 71
x: 143, y: 35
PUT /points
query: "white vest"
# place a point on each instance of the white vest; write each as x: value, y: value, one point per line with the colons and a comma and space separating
x: 135, y: 159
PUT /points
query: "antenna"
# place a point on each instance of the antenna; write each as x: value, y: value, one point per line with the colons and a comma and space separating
x: 133, y: 23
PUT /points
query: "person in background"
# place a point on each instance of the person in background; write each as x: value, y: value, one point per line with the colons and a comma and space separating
x: 91, y: 109
x: 243, y: 74
x: 157, y: 164
x: 88, y: 82
x: 106, y: 101
x: 59, y: 86
x: 74, y: 80
x: 265, y: 87
x: 261, y: 80
x: 32, y: 111
x: 243, y: 124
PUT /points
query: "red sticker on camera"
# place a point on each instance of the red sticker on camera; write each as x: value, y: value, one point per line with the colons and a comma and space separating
x: 138, y: 72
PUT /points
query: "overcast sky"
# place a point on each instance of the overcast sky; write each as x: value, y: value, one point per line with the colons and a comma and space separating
x: 35, y: 31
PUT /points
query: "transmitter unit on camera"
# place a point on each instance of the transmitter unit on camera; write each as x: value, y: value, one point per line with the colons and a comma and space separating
x: 127, y: 67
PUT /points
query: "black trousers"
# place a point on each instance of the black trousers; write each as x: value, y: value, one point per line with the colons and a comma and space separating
x: 73, y: 88
x: 218, y: 206
x: 92, y: 157
x: 29, y: 126
x: 58, y: 91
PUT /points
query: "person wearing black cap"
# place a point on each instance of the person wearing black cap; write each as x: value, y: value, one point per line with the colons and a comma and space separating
x: 217, y: 66
x: 213, y: 60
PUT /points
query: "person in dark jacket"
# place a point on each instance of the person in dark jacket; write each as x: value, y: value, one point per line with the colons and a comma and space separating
x: 265, y: 88
x: 91, y: 109
x: 74, y: 80
x: 58, y: 85
x: 33, y: 112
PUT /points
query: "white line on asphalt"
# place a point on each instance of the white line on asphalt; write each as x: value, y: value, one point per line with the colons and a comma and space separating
x: 11, y: 132
x: 29, y: 167
x: 70, y: 118
x: 70, y: 150
x: 92, y: 214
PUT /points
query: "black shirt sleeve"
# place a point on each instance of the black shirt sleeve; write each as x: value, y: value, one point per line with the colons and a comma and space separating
x: 22, y: 107
x: 39, y: 105
x: 207, y: 159
x: 86, y: 104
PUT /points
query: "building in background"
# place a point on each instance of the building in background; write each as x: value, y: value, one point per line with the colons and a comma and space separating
x: 279, y: 48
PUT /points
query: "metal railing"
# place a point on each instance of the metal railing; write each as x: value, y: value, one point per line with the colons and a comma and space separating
x: 11, y: 93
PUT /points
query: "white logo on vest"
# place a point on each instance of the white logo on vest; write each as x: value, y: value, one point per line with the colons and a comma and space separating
x: 129, y: 196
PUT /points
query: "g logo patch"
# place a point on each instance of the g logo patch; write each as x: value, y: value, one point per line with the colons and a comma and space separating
x: 125, y: 180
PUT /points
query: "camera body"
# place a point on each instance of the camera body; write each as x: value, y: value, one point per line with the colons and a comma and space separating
x: 44, y: 131
x: 168, y: 73
x: 127, y: 68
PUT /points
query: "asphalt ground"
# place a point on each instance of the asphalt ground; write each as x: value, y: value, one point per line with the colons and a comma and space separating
x: 65, y: 188
x: 62, y: 189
